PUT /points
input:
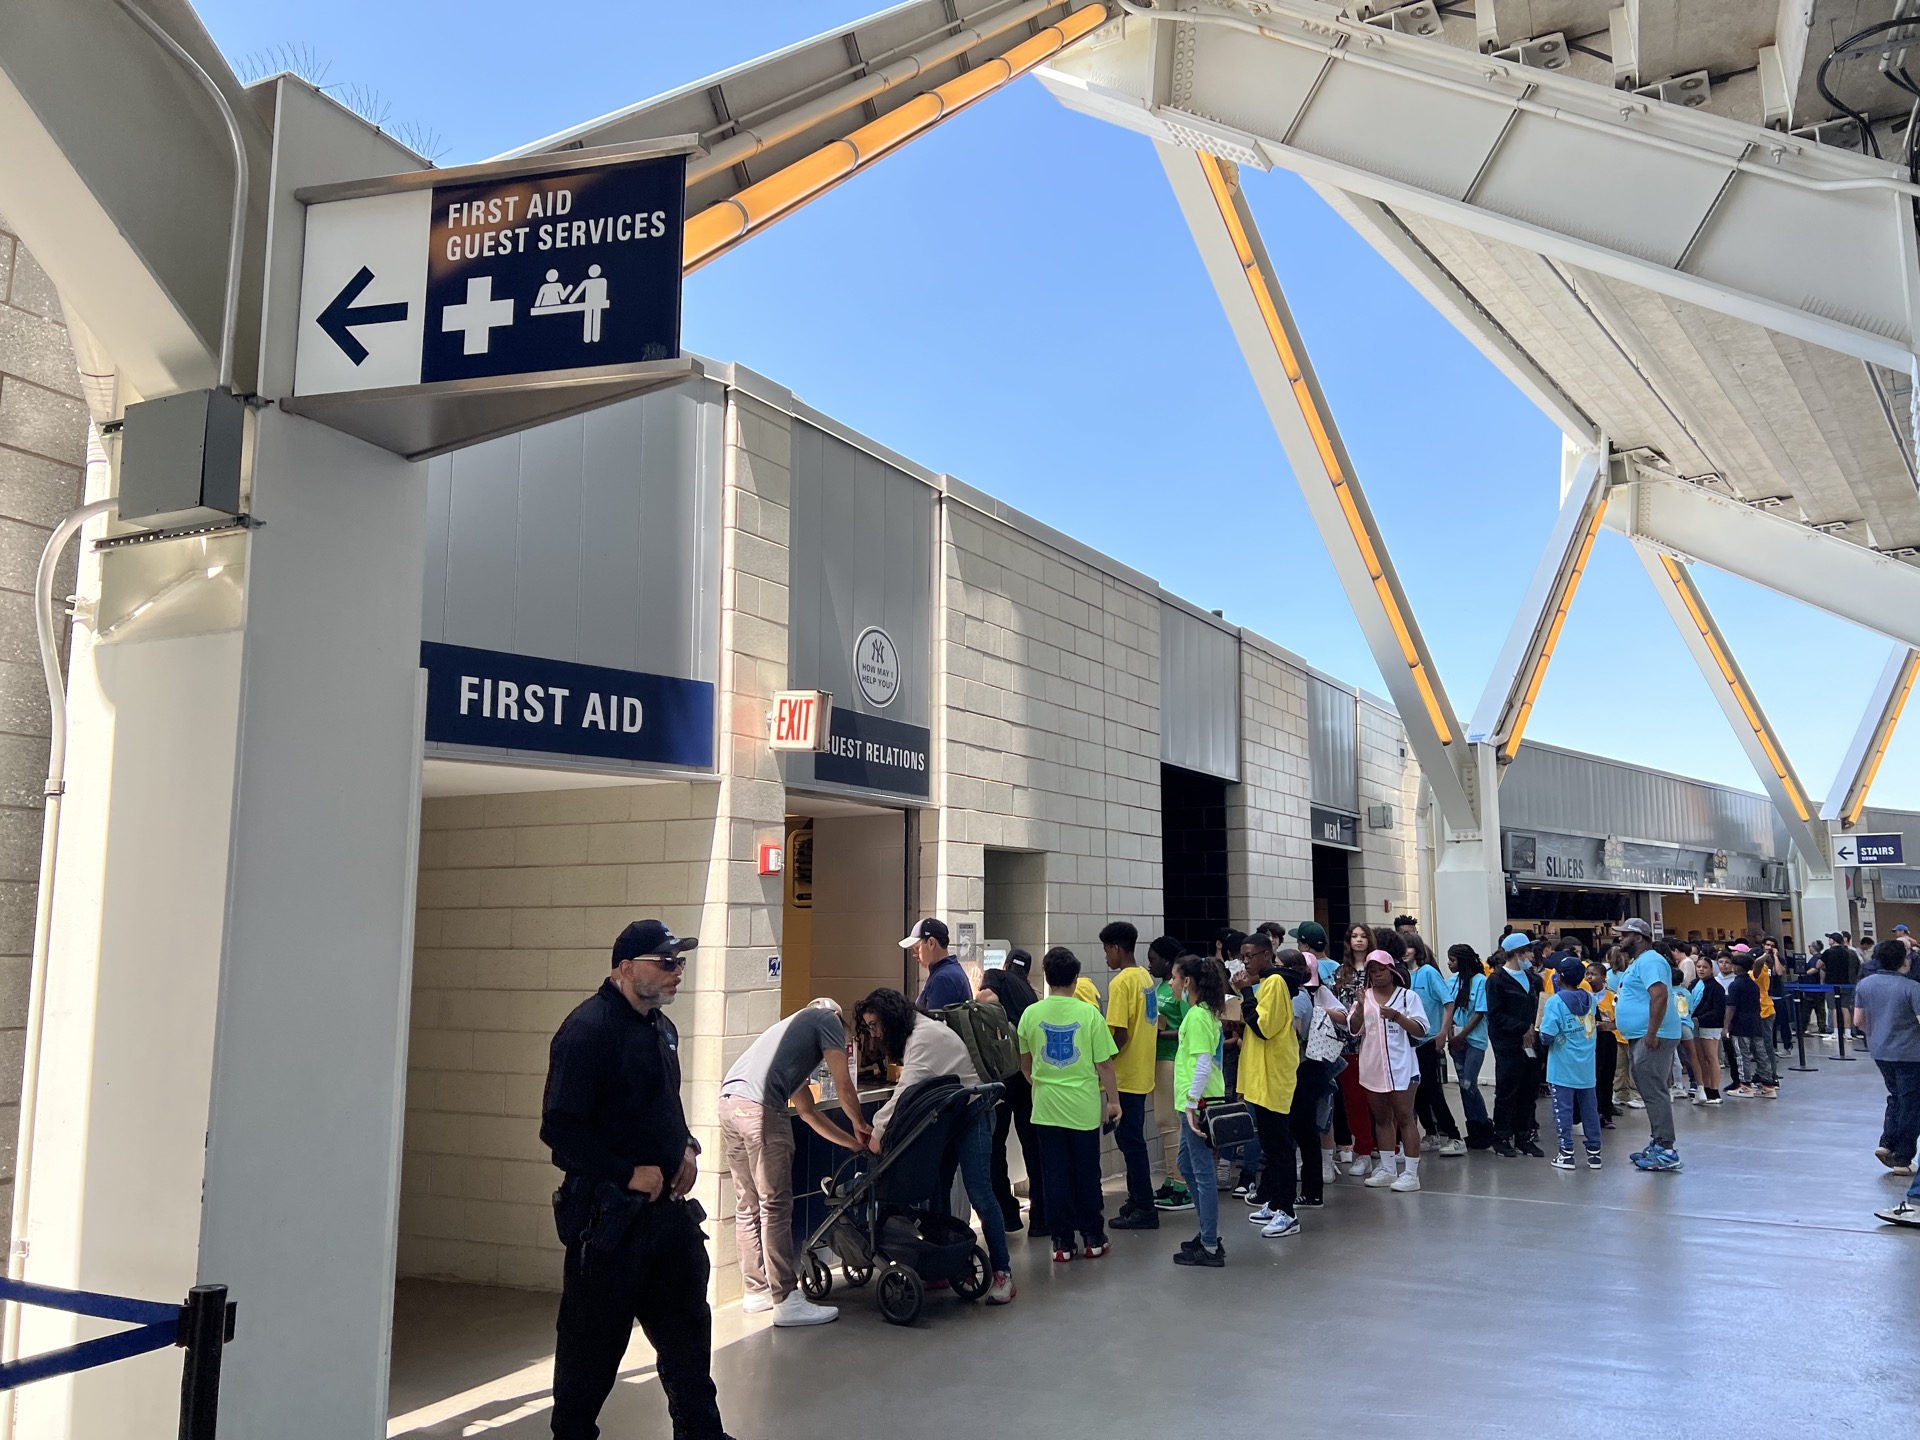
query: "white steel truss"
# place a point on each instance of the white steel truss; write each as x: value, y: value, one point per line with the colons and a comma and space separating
x: 1848, y: 795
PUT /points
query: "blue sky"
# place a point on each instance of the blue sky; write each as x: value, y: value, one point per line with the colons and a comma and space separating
x: 1014, y: 299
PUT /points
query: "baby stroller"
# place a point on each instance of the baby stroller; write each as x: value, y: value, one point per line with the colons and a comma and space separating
x: 883, y: 1217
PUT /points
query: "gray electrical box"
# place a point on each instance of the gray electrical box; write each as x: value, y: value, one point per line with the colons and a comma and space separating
x: 180, y: 459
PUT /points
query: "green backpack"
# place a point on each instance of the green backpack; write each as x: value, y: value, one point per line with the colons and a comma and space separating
x: 988, y: 1035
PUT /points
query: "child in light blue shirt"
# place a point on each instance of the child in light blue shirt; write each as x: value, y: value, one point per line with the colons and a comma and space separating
x: 1568, y: 1026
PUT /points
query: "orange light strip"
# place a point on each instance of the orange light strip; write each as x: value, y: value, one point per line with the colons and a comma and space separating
x: 718, y: 228
x: 1885, y: 737
x: 1683, y: 584
x: 1322, y: 433
x: 1510, y: 747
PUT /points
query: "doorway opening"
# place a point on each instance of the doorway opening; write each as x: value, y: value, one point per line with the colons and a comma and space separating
x: 1332, y: 893
x: 1193, y: 865
x: 845, y: 901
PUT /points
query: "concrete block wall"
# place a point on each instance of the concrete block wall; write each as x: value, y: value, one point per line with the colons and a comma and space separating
x: 737, y: 997
x: 43, y: 449
x: 1270, y: 874
x: 1048, y: 725
x: 1385, y: 877
x: 520, y: 897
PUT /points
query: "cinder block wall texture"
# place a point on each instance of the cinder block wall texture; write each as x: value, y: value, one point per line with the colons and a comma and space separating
x: 43, y: 451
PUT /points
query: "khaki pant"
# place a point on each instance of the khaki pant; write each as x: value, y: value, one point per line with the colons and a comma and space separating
x: 1166, y: 1116
x: 758, y: 1140
x: 1624, y: 1087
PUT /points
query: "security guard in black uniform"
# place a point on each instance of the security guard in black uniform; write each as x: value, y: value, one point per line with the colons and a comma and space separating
x: 635, y: 1250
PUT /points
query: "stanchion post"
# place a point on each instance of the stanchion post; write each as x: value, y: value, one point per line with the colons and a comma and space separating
x: 1838, y: 1028
x: 1800, y: 1031
x: 203, y: 1331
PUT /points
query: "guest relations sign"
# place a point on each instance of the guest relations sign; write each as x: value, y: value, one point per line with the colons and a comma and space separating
x: 878, y: 754
x: 521, y: 702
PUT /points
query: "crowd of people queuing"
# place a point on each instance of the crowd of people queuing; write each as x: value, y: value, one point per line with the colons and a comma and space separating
x: 1341, y: 1051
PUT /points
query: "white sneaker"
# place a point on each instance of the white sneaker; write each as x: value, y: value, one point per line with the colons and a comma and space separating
x: 796, y: 1309
x: 756, y: 1303
x: 1406, y: 1182
x: 1636, y: 1103
x: 1360, y: 1166
x: 1283, y: 1225
x: 1380, y: 1179
x: 1905, y: 1213
x: 1329, y: 1168
x: 1344, y: 1155
x: 1455, y: 1146
x: 1263, y: 1216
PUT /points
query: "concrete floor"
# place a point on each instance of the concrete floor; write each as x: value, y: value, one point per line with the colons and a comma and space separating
x: 1754, y: 1295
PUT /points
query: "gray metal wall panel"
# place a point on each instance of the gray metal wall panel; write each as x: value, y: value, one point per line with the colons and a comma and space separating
x: 1549, y: 789
x: 439, y: 502
x: 1199, y: 694
x: 1333, y: 745
x: 593, y: 539
x: 479, y: 543
x: 860, y: 554
x: 547, y: 539
x: 611, y: 508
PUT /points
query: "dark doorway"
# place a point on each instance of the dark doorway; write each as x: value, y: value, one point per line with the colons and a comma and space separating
x: 1193, y: 849
x: 1332, y: 900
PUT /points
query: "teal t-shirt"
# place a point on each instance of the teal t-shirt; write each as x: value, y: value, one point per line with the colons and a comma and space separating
x: 1633, y: 1008
x: 1431, y: 986
x: 1476, y: 1002
x: 1570, y: 1041
x: 1067, y: 1039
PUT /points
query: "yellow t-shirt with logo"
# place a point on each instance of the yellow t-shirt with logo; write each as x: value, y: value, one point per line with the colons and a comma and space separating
x: 1270, y: 1063
x: 1131, y: 1006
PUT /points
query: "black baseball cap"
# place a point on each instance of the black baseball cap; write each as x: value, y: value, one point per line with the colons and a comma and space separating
x: 928, y: 929
x: 649, y: 937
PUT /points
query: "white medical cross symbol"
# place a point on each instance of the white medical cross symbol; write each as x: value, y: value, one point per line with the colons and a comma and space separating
x: 477, y: 315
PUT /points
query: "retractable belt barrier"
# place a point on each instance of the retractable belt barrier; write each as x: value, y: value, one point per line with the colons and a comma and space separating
x: 201, y: 1326
x: 1800, y: 1021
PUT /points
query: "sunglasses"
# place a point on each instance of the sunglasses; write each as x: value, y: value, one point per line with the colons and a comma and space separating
x: 669, y: 963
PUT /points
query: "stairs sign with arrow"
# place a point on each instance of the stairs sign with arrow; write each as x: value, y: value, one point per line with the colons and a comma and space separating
x: 1869, y: 850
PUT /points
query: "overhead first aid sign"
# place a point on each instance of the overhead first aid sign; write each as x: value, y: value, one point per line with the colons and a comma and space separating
x: 521, y: 274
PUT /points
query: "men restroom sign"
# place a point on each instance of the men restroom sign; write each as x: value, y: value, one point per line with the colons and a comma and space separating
x: 492, y: 271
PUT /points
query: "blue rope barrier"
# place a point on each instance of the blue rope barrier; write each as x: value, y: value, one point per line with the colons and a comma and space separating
x: 86, y: 1302
x: 89, y: 1353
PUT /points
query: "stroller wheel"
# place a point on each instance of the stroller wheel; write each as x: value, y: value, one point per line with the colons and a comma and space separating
x: 856, y: 1275
x: 972, y: 1283
x: 816, y: 1281
x: 901, y: 1295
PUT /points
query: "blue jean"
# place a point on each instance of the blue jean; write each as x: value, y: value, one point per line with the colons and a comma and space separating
x: 975, y: 1153
x: 1901, y: 1126
x: 1467, y: 1063
x: 1131, y: 1137
x: 1585, y: 1103
x: 1196, y: 1167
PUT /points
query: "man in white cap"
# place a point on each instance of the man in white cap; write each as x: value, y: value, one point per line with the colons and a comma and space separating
x: 946, y: 982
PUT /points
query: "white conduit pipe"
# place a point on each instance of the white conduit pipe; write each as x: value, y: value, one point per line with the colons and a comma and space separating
x: 237, y: 217
x: 43, y: 624
x: 1532, y: 107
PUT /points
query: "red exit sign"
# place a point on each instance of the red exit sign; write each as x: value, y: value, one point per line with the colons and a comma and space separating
x: 800, y: 719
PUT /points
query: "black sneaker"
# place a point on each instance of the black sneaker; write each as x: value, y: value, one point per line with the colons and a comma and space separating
x: 1172, y: 1198
x: 1136, y: 1217
x: 1312, y: 1204
x: 1504, y: 1147
x: 1527, y: 1147
x: 1199, y: 1255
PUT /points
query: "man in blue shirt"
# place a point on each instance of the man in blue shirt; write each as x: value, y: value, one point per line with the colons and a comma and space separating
x: 1647, y: 1016
x: 946, y: 982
